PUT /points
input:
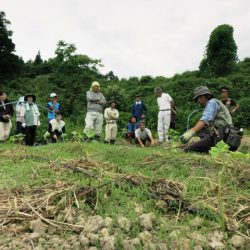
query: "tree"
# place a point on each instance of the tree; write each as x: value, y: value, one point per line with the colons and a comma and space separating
x: 9, y: 62
x: 221, y: 53
x: 38, y: 59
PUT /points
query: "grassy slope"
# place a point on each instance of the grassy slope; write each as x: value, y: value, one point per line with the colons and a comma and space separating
x: 27, y: 167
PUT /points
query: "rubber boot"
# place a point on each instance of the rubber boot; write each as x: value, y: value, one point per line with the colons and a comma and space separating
x: 112, y: 142
x: 106, y: 142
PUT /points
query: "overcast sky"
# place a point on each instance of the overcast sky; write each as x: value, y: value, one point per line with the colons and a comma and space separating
x: 131, y: 37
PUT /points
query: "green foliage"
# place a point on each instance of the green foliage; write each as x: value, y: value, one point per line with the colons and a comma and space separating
x: 219, y: 150
x: 9, y: 62
x: 19, y: 139
x: 221, y: 53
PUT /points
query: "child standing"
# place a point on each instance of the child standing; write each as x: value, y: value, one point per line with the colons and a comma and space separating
x: 111, y: 115
x: 31, y: 117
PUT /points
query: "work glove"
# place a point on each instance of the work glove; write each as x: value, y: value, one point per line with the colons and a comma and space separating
x: 38, y: 123
x: 185, y: 138
x: 24, y: 125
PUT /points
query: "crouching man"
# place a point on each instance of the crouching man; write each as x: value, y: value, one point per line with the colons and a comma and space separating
x: 111, y: 115
x: 143, y: 135
x: 215, y: 117
x: 56, y: 128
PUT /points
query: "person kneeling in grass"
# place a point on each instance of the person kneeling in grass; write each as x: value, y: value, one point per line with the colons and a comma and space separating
x: 143, y: 135
x: 131, y: 127
x: 56, y: 128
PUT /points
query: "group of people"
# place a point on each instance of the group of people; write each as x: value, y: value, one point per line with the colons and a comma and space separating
x: 28, y: 118
x: 216, y: 117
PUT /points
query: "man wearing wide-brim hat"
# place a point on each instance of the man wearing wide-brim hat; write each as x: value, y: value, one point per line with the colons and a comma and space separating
x: 214, y: 117
x: 94, y: 117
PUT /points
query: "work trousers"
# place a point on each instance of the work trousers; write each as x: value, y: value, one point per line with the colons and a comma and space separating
x: 164, y: 118
x: 110, y: 131
x: 94, y: 121
x: 5, y: 128
x: 129, y: 137
x: 204, y: 144
x: 30, y: 134
x: 19, y: 128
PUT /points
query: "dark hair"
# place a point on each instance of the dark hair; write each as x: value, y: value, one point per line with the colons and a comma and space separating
x: 1, y: 92
x: 224, y: 88
x: 130, y: 119
x: 208, y: 96
x: 59, y: 113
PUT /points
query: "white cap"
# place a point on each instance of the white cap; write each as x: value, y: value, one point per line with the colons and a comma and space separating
x: 53, y: 95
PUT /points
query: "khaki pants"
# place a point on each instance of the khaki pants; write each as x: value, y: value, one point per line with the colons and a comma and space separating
x: 94, y: 121
x: 164, y: 118
x: 111, y: 131
x: 5, y: 130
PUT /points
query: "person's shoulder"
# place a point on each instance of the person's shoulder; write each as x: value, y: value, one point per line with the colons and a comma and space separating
x: 148, y: 130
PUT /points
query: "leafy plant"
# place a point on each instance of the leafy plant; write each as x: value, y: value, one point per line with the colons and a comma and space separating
x: 18, y: 139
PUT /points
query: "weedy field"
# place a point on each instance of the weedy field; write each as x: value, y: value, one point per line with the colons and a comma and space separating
x: 93, y: 196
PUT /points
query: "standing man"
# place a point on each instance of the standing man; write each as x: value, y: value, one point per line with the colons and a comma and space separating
x: 111, y: 115
x: 139, y: 109
x: 214, y: 118
x: 231, y: 104
x: 165, y: 104
x: 6, y: 112
x: 94, y: 117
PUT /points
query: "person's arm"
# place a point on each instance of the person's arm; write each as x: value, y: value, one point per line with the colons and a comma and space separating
x: 50, y: 107
x: 236, y: 106
x: 106, y: 115
x: 116, y: 115
x: 140, y: 142
x: 145, y: 109
x: 102, y: 100
x: 151, y: 137
x: 208, y: 116
x: 129, y: 128
x: 91, y: 98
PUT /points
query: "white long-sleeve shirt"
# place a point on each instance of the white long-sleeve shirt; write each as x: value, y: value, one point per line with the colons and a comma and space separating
x: 111, y: 115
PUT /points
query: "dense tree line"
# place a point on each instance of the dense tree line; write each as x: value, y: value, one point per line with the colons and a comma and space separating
x: 70, y: 74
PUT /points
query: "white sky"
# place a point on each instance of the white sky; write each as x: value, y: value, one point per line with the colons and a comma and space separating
x: 131, y: 37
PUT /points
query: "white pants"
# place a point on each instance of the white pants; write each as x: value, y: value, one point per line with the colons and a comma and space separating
x: 111, y: 131
x: 94, y: 121
x: 5, y: 130
x: 164, y: 118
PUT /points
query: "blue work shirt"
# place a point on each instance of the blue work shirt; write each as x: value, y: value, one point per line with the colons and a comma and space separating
x: 131, y: 127
x: 51, y: 114
x: 211, y: 110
